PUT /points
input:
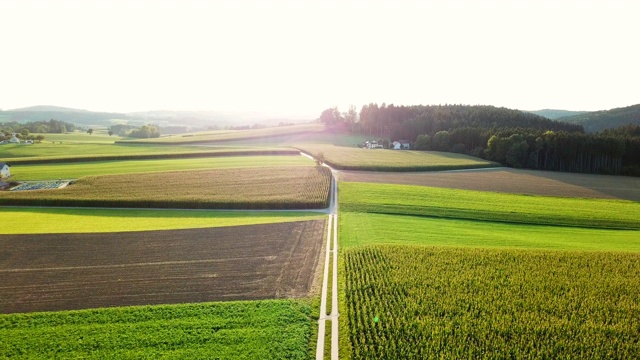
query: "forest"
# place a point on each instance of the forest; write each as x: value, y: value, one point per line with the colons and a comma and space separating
x: 511, y: 137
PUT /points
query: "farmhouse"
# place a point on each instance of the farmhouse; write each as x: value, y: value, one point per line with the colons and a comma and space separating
x: 14, y: 139
x: 401, y: 145
x: 4, y: 170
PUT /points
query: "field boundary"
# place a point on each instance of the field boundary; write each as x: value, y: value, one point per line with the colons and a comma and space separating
x: 211, y: 141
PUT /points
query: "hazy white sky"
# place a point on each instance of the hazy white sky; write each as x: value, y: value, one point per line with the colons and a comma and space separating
x: 300, y: 57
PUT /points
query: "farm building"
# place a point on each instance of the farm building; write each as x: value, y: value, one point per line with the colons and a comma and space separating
x: 14, y: 139
x: 373, y: 145
x: 4, y: 170
x: 401, y: 145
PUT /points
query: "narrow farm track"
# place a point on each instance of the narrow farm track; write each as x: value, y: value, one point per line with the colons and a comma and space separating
x: 332, y: 249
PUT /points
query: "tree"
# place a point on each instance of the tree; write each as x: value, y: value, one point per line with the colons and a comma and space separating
x: 39, y: 138
x: 90, y: 131
x: 110, y: 132
x: 24, y: 132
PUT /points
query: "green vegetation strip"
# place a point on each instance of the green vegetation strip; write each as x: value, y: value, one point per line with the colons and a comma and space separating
x: 60, y: 220
x: 361, y: 229
x: 488, y: 206
x: 350, y: 158
x: 232, y: 135
x: 477, y: 303
x: 266, y: 329
x: 78, y: 170
x: 287, y: 187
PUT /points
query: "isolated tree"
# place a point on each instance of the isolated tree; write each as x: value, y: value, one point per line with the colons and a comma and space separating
x: 90, y: 131
x: 39, y: 138
x: 24, y: 132
x: 110, y: 132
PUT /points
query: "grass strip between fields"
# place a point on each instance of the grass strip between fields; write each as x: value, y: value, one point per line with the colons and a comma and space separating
x: 59, y: 220
x: 489, y: 206
x: 267, y: 329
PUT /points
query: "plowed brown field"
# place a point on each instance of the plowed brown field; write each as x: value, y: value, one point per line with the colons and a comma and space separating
x: 546, y: 183
x: 76, y: 271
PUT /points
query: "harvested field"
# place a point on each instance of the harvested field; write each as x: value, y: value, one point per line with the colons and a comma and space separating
x: 547, y: 183
x: 77, y: 271
x: 351, y: 158
x: 286, y: 187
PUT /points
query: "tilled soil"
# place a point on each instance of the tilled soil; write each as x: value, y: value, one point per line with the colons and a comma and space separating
x: 76, y: 271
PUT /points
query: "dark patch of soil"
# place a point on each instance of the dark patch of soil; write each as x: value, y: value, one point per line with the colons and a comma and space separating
x: 76, y: 271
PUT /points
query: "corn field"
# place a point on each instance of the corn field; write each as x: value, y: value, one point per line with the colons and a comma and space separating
x: 407, y: 302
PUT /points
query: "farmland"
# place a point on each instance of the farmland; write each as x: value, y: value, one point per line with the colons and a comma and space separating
x: 70, y: 220
x: 265, y: 329
x: 244, y: 188
x: 513, y: 181
x: 77, y: 170
x: 232, y: 135
x: 489, y: 206
x: 362, y: 229
x: 76, y: 271
x: 351, y: 158
x: 423, y: 302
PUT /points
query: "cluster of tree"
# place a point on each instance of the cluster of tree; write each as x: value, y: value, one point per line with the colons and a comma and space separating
x: 601, y: 120
x: 510, y: 137
x: 51, y: 127
x: 23, y: 135
x: 336, y: 121
x: 143, y: 132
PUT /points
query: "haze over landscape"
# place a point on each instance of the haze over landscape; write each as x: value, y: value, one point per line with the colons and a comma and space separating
x: 293, y: 59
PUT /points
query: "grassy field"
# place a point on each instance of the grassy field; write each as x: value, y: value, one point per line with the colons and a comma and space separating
x: 488, y: 206
x: 70, y: 150
x: 362, y: 229
x: 351, y: 158
x: 271, y: 329
x: 421, y: 302
x: 78, y: 170
x: 245, y: 188
x: 231, y: 135
x: 61, y: 220
x: 98, y: 136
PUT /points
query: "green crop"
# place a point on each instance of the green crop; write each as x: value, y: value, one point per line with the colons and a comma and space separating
x: 457, y: 303
x: 269, y: 329
x: 488, y: 206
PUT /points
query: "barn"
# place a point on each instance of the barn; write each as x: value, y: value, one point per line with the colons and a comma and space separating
x: 5, y: 172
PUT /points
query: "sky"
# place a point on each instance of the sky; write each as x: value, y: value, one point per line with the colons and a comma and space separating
x: 297, y: 58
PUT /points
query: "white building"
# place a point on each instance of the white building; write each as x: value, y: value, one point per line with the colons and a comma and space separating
x: 5, y: 172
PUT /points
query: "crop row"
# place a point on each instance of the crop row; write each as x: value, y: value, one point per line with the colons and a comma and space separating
x: 349, y: 158
x: 303, y: 187
x: 407, y: 302
x: 153, y: 156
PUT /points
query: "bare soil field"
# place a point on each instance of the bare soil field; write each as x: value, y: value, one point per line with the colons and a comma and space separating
x: 547, y: 183
x: 77, y: 271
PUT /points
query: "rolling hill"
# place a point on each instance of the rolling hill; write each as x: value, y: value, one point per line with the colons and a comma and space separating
x: 599, y: 120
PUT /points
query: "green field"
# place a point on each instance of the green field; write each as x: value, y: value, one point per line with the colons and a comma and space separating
x: 362, y: 229
x: 98, y: 136
x: 70, y: 150
x: 231, y: 135
x: 78, y: 170
x: 270, y: 329
x: 284, y: 187
x: 68, y: 220
x: 450, y: 303
x: 351, y: 158
x: 488, y: 206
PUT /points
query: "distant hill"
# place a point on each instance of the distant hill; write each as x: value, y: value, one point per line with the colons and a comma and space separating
x: 193, y: 120
x: 599, y: 120
x: 556, y: 114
